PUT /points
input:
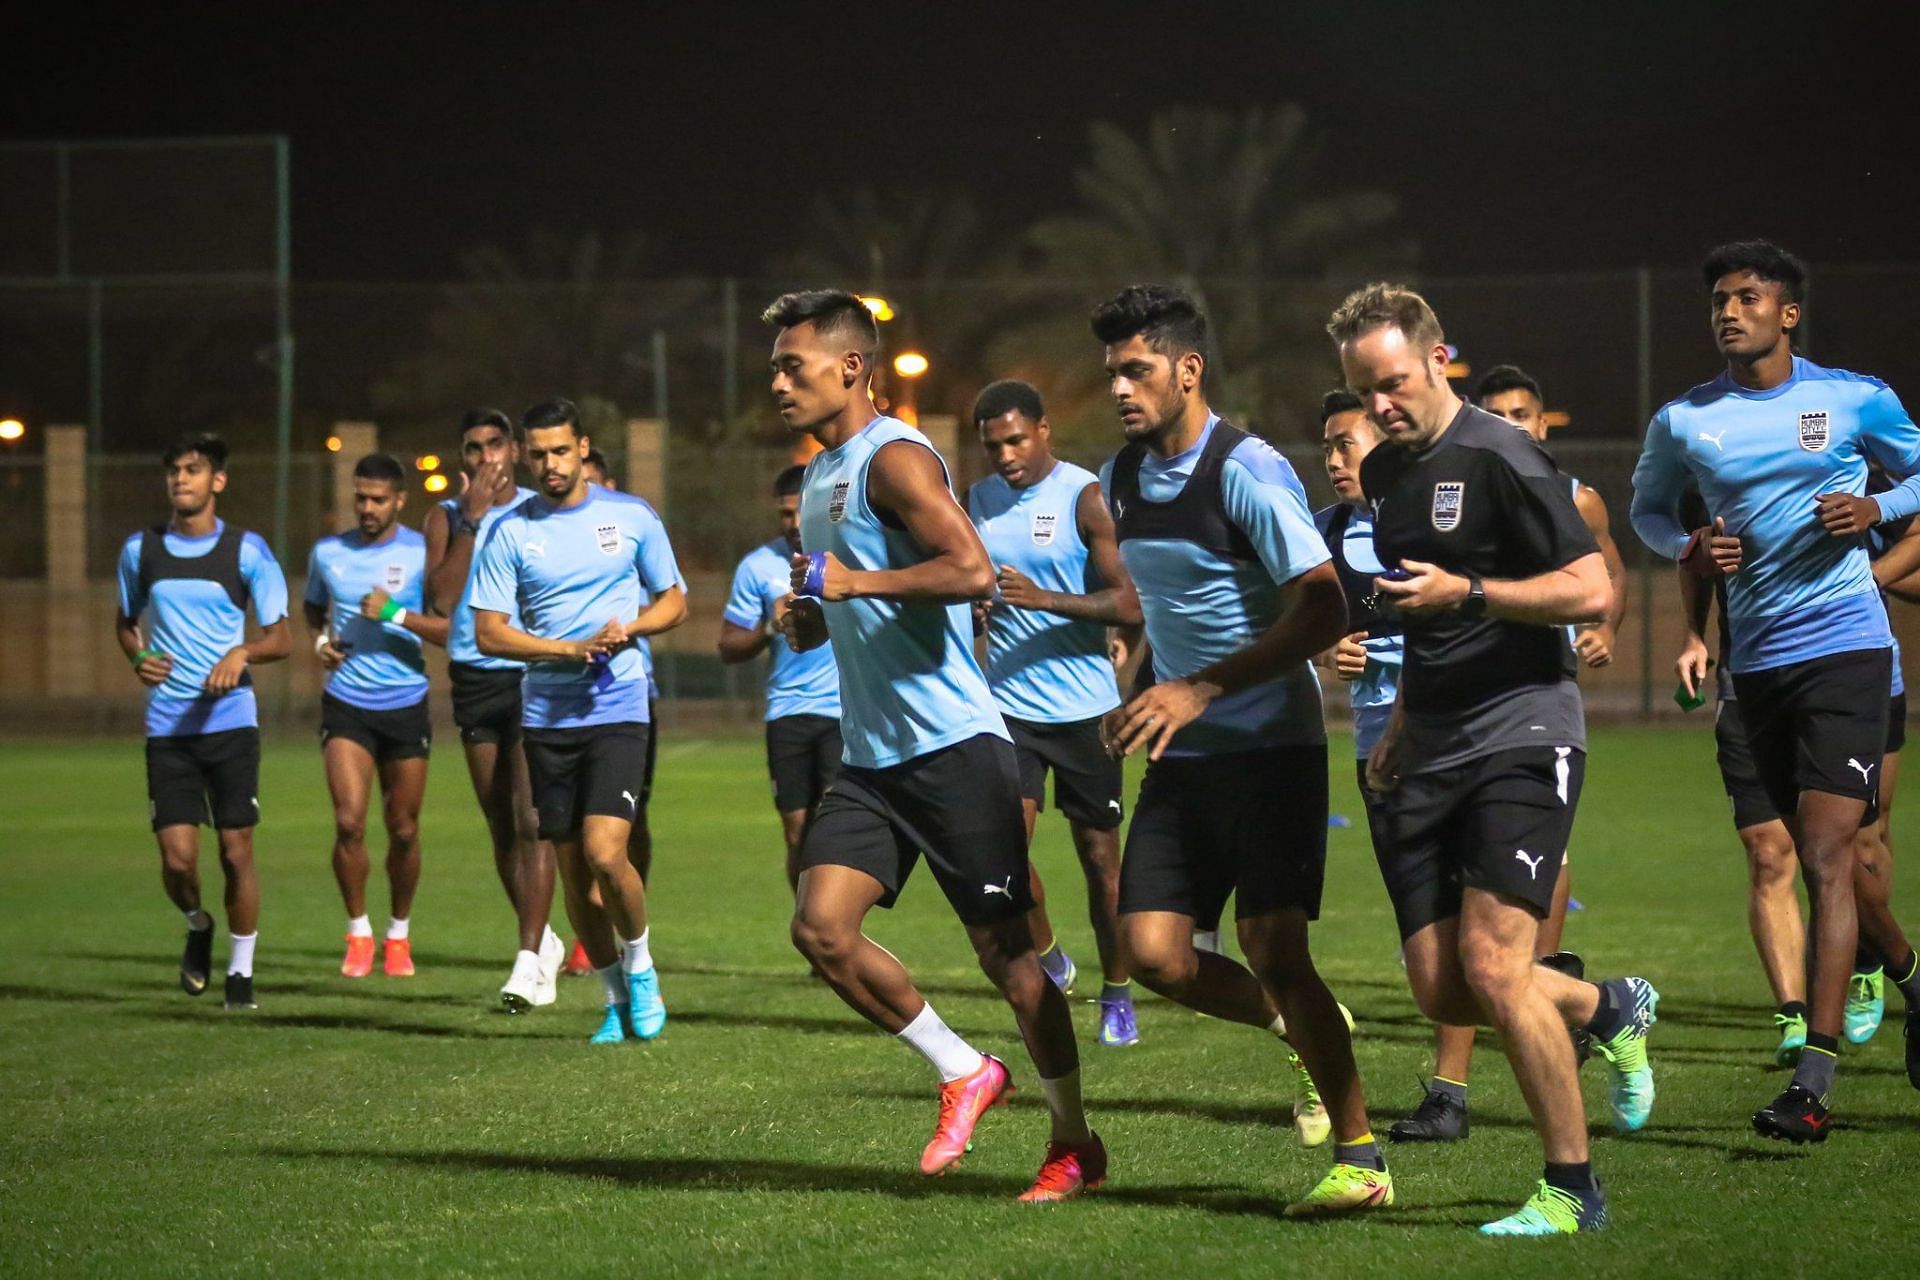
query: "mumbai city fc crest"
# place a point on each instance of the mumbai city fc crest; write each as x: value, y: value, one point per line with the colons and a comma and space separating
x: 1043, y: 528
x: 396, y: 577
x: 837, y: 504
x: 1448, y: 496
x: 607, y: 538
x: 1813, y: 431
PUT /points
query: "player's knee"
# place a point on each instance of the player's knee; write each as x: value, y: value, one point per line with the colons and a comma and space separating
x: 1159, y: 965
x: 1770, y: 860
x: 1492, y: 970
x: 403, y: 829
x: 823, y: 942
x: 349, y: 827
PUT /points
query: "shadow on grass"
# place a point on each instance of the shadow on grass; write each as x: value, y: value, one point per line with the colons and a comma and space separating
x: 54, y: 995
x: 358, y: 1022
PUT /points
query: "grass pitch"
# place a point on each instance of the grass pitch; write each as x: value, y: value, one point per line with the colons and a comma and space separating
x: 406, y: 1127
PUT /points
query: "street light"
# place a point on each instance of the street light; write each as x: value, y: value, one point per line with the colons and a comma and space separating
x: 427, y: 462
x: 335, y: 444
x: 881, y: 308
x: 12, y: 430
x: 910, y: 366
x: 436, y: 484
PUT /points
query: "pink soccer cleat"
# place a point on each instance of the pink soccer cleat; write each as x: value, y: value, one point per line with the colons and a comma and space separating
x: 962, y: 1103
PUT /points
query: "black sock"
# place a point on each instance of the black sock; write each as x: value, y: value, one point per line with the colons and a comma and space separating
x: 1906, y: 976
x: 1866, y: 957
x: 1794, y: 1009
x: 1611, y: 1015
x: 1817, y: 1061
x: 1575, y: 1178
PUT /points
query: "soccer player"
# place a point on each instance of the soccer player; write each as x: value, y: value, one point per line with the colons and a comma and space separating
x: 1238, y: 596
x: 1487, y: 561
x: 486, y: 700
x: 803, y: 689
x: 195, y: 578
x: 365, y: 605
x: 1778, y: 448
x: 1060, y: 585
x: 929, y: 768
x: 558, y: 586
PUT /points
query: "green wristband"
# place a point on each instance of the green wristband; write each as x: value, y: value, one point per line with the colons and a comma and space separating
x: 143, y: 655
x: 391, y: 610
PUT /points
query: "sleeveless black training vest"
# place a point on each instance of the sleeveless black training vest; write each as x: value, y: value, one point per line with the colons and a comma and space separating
x: 221, y: 565
x: 1198, y: 514
x: 1358, y: 586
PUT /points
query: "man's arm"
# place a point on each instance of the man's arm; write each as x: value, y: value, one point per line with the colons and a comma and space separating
x: 1116, y: 603
x: 738, y: 644
x: 498, y: 638
x: 664, y: 612
x: 378, y: 606
x: 450, y: 545
x: 1658, y: 478
x: 1576, y: 593
x: 906, y: 480
x: 1595, y: 644
x: 1696, y: 599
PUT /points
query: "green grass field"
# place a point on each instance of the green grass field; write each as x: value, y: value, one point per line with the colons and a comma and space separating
x: 406, y: 1127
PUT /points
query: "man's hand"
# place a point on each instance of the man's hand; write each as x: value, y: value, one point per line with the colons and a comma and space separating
x: 225, y: 676
x: 981, y: 610
x: 1152, y: 719
x: 372, y: 603
x: 1383, y: 763
x: 1692, y: 664
x: 609, y: 639
x: 477, y: 494
x: 1350, y: 657
x: 836, y: 578
x: 1711, y: 552
x: 1846, y: 515
x: 1594, y: 645
x: 153, y: 670
x: 330, y: 653
x: 804, y: 624
x: 1427, y: 590
x: 1020, y: 591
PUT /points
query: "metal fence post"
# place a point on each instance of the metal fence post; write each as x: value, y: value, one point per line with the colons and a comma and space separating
x: 70, y: 639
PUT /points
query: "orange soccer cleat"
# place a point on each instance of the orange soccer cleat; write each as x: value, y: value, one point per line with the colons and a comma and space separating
x: 962, y: 1103
x: 1069, y: 1169
x: 399, y: 958
x: 577, y: 965
x: 359, y: 961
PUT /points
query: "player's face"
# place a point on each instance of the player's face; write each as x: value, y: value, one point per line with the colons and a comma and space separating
x: 1750, y: 318
x: 192, y: 482
x: 557, y: 458
x: 789, y: 508
x: 596, y: 474
x: 376, y: 505
x: 483, y: 444
x: 1522, y: 408
x: 1150, y: 390
x: 814, y: 376
x: 1017, y: 446
x: 1350, y: 437
x: 1403, y: 388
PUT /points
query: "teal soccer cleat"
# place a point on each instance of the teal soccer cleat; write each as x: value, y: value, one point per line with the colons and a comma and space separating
x: 649, y: 1011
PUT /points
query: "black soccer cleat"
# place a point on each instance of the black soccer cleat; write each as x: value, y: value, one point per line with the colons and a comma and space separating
x: 1440, y: 1117
x: 196, y: 962
x: 1574, y: 967
x: 1913, y: 1047
x: 240, y: 991
x: 1795, y: 1116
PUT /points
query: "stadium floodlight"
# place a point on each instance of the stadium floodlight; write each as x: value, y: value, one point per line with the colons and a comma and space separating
x: 335, y: 444
x: 909, y: 364
x: 12, y: 430
x: 436, y: 484
x: 427, y: 462
x: 881, y: 308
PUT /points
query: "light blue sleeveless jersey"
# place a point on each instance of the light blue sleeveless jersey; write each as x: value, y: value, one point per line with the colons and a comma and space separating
x: 908, y: 681
x: 385, y: 666
x: 460, y: 645
x: 1043, y: 667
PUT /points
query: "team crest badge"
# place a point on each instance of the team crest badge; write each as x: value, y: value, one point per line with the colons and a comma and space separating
x: 607, y: 537
x: 1813, y: 431
x: 1448, y: 496
x: 396, y: 577
x: 837, y: 504
x: 1043, y: 528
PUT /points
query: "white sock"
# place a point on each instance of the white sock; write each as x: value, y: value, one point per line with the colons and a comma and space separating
x: 1207, y: 940
x: 194, y: 918
x: 615, y: 983
x: 1069, y: 1117
x: 636, y: 956
x: 550, y: 941
x: 240, y: 955
x: 397, y: 930
x: 1279, y: 1026
x: 359, y: 927
x: 951, y: 1056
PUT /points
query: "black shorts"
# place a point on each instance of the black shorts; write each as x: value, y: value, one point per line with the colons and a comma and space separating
x: 803, y: 757
x: 1738, y: 773
x: 960, y: 806
x: 486, y: 702
x: 194, y: 776
x: 1897, y: 723
x: 1248, y: 823
x: 1086, y: 780
x: 1499, y: 823
x: 1819, y: 725
x: 590, y: 771
x: 399, y: 733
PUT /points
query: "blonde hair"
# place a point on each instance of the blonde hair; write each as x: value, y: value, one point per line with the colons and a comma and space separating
x: 1381, y: 306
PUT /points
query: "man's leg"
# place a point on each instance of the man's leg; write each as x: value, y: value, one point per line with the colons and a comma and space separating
x: 524, y: 862
x: 829, y: 910
x: 1547, y: 939
x: 1826, y: 829
x: 350, y: 771
x: 606, y: 842
x: 793, y: 828
x: 1099, y: 851
x: 243, y: 912
x: 180, y: 865
x: 1275, y: 944
x: 403, y: 786
x: 1160, y: 953
x: 1773, y: 909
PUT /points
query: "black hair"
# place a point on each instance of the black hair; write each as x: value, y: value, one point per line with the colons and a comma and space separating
x: 557, y: 412
x: 381, y: 466
x: 1009, y: 395
x: 598, y: 459
x: 205, y: 443
x: 485, y: 418
x: 1506, y: 377
x: 830, y: 311
x: 1338, y: 401
x: 1166, y: 317
x: 788, y: 482
x: 1762, y: 257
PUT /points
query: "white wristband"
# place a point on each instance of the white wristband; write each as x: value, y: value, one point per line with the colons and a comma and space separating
x: 320, y: 643
x: 399, y: 619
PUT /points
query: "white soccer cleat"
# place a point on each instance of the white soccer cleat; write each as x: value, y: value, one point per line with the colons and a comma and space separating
x: 552, y: 952
x: 522, y: 991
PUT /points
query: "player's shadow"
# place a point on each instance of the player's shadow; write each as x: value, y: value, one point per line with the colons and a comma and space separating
x: 54, y: 995
x: 381, y: 991
x: 806, y: 1024
x: 255, y: 1019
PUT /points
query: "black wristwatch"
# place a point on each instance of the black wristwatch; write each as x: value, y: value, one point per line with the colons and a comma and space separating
x: 467, y: 525
x: 1475, y: 605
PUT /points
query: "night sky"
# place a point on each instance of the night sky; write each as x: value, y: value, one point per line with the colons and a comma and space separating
x: 1628, y: 134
